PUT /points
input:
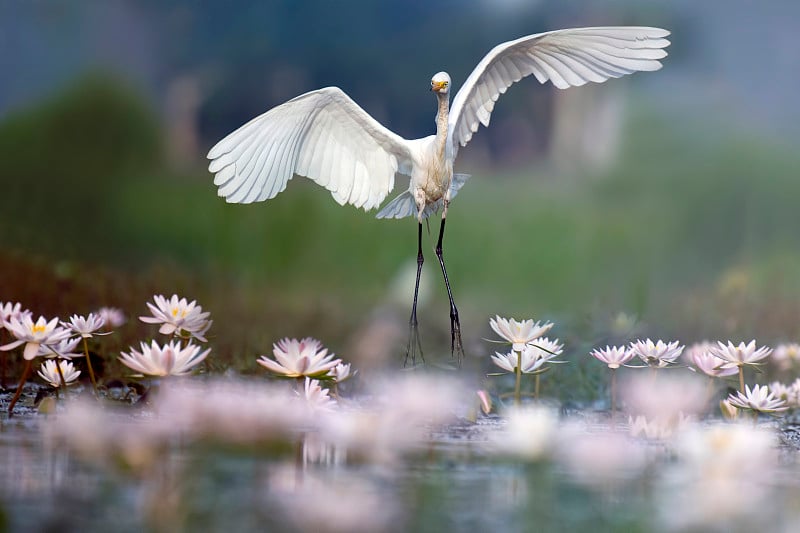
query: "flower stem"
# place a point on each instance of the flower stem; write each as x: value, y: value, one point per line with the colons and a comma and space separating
x: 61, y: 374
x: 25, y: 373
x: 518, y: 382
x: 613, y: 399
x: 741, y: 378
x: 3, y: 364
x: 89, y: 365
x: 536, y: 387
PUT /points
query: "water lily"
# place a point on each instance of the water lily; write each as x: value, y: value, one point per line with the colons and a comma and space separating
x: 531, y: 358
x: 759, y: 399
x: 297, y: 358
x: 10, y: 310
x: 112, y: 316
x: 178, y: 317
x: 519, y: 333
x: 168, y: 360
x: 49, y: 372
x: 34, y: 334
x: 701, y: 356
x: 739, y: 355
x: 87, y: 326
x: 65, y: 349
x: 656, y: 354
x: 786, y: 355
x: 317, y: 397
x: 341, y: 372
x: 614, y: 357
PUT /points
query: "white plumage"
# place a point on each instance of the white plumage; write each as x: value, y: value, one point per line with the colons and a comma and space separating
x: 325, y: 136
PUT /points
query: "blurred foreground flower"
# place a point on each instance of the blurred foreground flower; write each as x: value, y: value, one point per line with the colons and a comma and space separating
x: 529, y: 433
x: 399, y: 417
x: 317, y: 397
x: 758, y: 399
x: 722, y: 479
x: 295, y: 359
x: 667, y: 398
x: 599, y: 460
x: 168, y: 360
x: 49, y: 373
x: 656, y: 354
x: 519, y: 333
x: 334, y: 505
x: 34, y: 334
x: 178, y: 317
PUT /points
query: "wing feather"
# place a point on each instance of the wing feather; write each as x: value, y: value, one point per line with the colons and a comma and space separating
x: 567, y: 58
x: 322, y: 135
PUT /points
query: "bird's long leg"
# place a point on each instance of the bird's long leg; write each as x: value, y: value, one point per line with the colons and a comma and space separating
x: 414, y: 343
x: 456, y: 346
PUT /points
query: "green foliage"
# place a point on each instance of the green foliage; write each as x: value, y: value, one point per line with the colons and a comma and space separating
x: 63, y: 160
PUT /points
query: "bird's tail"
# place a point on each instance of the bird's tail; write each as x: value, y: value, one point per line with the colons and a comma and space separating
x: 404, y: 205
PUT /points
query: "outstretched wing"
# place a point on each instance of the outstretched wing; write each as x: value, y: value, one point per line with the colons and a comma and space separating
x: 566, y: 57
x: 322, y: 135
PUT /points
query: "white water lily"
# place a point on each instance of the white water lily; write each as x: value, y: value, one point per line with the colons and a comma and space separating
x: 297, y: 358
x: 759, y: 399
x: 741, y: 354
x: 34, y: 334
x: 341, y: 372
x: 519, y: 333
x: 49, y: 373
x: 178, y: 317
x: 532, y: 357
x: 168, y: 360
x: 613, y: 356
x: 66, y: 349
x: 10, y: 310
x: 657, y: 354
x: 87, y: 326
x: 702, y: 357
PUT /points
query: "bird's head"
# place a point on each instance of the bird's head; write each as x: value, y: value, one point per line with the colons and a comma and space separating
x: 440, y: 83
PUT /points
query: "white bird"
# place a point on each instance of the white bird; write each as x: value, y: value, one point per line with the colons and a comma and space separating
x: 325, y: 136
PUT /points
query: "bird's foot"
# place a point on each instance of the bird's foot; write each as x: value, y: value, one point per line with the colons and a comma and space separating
x: 414, y: 344
x: 456, y: 346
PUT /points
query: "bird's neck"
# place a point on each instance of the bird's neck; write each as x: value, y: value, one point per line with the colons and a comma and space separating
x: 441, y: 122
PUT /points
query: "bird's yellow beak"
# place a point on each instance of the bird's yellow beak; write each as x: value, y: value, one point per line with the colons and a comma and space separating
x: 438, y: 85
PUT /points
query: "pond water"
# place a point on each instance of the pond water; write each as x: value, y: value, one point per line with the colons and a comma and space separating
x: 451, y: 480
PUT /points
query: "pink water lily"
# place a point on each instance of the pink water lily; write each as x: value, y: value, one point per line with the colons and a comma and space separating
x: 168, y: 360
x: 297, y: 358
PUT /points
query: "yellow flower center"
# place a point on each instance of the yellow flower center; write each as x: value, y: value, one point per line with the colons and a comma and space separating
x: 36, y: 328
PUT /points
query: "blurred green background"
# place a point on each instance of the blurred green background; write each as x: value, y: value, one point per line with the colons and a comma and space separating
x: 663, y: 204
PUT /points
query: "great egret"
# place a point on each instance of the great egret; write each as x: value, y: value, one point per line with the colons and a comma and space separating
x: 325, y: 136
